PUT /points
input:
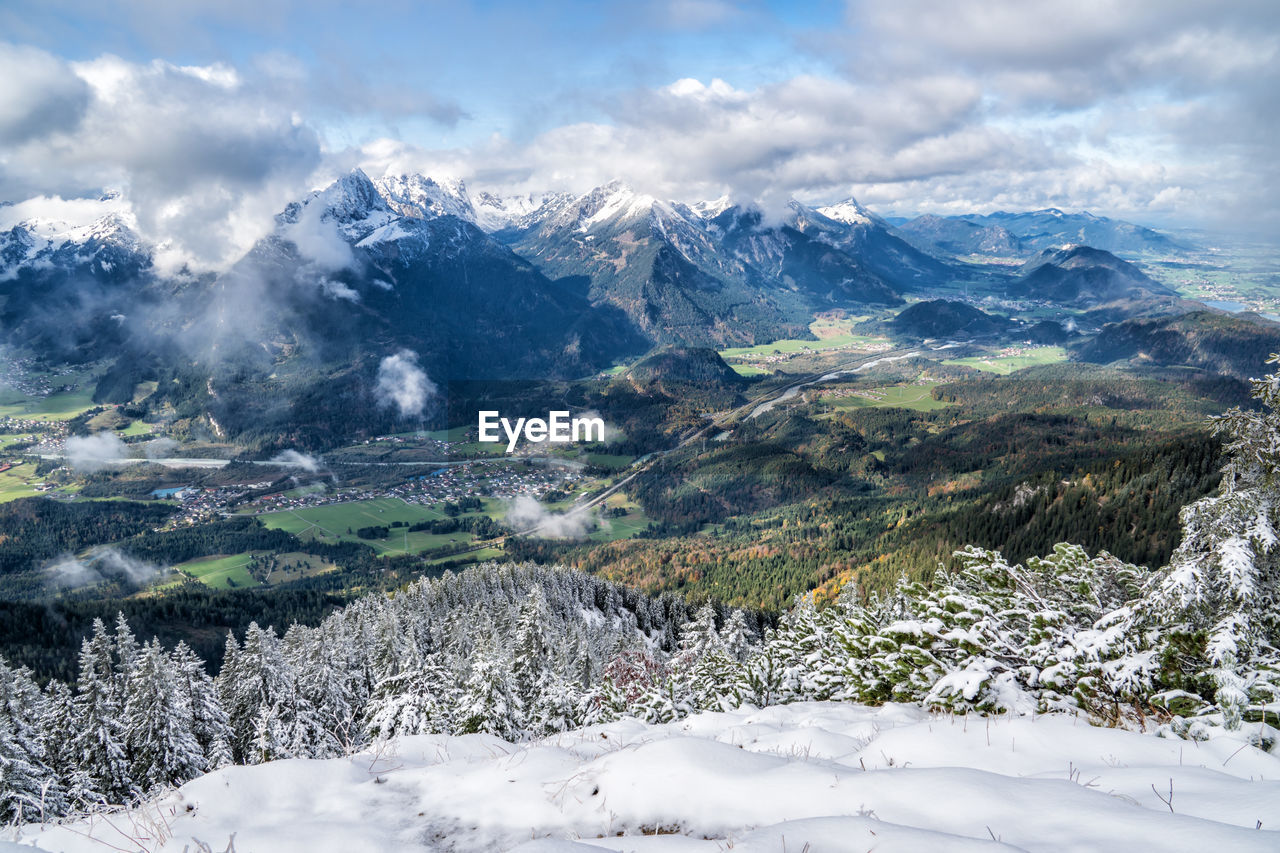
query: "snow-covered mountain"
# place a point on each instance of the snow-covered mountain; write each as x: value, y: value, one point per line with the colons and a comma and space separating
x: 72, y: 276
x: 52, y: 233
x: 517, y: 212
x: 849, y: 212
x: 423, y: 197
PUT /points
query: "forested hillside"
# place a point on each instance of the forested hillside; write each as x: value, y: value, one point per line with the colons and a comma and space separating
x: 522, y: 651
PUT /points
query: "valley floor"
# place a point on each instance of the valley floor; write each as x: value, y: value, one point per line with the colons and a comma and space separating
x: 811, y: 776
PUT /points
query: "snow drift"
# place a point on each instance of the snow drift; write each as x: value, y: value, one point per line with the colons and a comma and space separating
x: 819, y: 776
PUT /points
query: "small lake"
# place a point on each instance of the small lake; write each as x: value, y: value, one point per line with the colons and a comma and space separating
x: 1225, y: 305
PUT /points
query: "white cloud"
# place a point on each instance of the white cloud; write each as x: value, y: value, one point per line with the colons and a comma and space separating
x: 1164, y: 110
x: 41, y: 95
x: 295, y: 459
x: 203, y: 156
x: 90, y: 453
x: 526, y: 515
x: 104, y: 564
x: 402, y: 384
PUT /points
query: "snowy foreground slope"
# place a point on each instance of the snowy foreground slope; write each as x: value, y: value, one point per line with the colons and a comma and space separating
x: 833, y: 776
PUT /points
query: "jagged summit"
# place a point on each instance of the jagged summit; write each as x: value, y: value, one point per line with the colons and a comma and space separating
x: 352, y: 203
x: 423, y: 197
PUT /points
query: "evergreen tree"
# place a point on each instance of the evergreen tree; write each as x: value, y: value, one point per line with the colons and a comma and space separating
x: 158, y: 724
x: 100, y: 734
x: 29, y: 787
x: 199, y: 694
x: 489, y: 703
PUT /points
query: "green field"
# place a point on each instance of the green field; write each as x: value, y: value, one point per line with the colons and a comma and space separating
x: 136, y: 428
x: 608, y: 460
x: 473, y: 556
x: 339, y: 522
x: 917, y: 396
x: 748, y: 370
x: 55, y: 407
x: 1006, y: 364
x: 228, y: 572
x: 220, y: 572
x: 624, y: 526
x: 13, y: 483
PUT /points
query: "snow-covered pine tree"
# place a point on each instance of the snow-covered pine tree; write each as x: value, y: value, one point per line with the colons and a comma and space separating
x: 532, y: 646
x: 1216, y: 607
x: 58, y: 729
x: 100, y: 735
x: 250, y: 684
x: 706, y: 675
x: 415, y: 701
x: 489, y: 703
x: 158, y: 724
x: 29, y: 788
x: 208, y: 719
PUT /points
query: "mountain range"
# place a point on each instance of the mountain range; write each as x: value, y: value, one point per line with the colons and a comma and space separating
x: 550, y: 285
x: 1023, y: 234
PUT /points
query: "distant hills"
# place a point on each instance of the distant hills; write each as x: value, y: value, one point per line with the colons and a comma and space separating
x: 683, y: 372
x: 1095, y: 281
x: 943, y: 318
x: 1022, y: 234
x: 1231, y: 345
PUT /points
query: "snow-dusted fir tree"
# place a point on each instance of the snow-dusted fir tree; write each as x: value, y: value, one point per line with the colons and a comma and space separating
x: 489, y: 703
x: 208, y: 720
x: 250, y: 686
x: 415, y: 701
x: 58, y: 727
x: 31, y: 789
x: 100, y: 733
x: 531, y: 654
x: 1216, y: 607
x: 158, y: 724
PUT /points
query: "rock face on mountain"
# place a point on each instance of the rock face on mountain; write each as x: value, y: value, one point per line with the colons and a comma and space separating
x: 943, y: 318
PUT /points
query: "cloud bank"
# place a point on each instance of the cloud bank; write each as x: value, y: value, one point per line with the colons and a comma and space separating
x: 295, y: 459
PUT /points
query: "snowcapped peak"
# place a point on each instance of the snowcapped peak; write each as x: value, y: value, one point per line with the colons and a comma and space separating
x: 35, y: 228
x: 421, y: 197
x: 849, y: 212
x: 352, y: 203
x: 352, y: 197
x: 613, y: 202
x: 495, y: 212
x: 712, y: 209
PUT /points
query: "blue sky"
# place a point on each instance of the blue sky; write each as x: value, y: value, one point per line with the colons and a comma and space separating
x: 213, y: 114
x: 509, y: 68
